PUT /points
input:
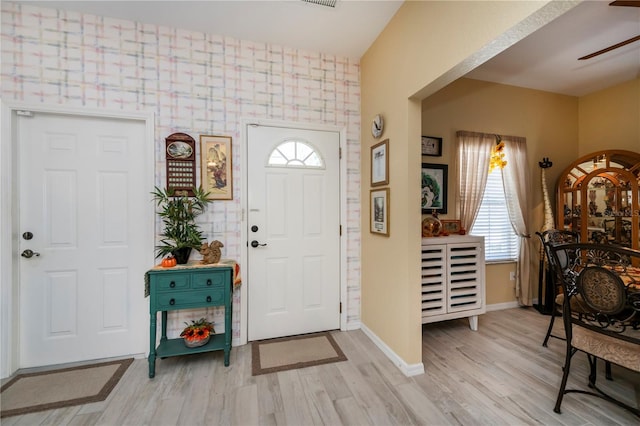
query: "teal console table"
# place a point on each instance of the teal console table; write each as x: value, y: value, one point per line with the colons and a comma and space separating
x: 188, y: 287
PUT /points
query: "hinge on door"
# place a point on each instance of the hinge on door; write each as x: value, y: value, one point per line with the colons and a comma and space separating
x: 340, y: 230
x: 340, y: 150
x: 340, y: 307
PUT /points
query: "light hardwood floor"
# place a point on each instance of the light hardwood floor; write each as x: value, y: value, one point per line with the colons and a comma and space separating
x: 499, y: 375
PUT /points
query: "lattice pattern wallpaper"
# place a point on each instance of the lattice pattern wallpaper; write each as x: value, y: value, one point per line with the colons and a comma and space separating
x: 195, y: 83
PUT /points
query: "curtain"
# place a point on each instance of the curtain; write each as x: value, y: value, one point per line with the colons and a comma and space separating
x: 474, y: 150
x: 516, y: 182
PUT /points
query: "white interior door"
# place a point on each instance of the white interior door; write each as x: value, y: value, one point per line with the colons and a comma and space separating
x: 294, y: 224
x: 84, y: 200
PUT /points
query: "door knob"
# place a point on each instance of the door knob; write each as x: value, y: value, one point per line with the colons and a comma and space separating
x: 29, y: 254
x: 255, y: 243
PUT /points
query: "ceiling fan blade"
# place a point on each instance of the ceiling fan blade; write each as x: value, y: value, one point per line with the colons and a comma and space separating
x: 632, y: 3
x: 610, y: 48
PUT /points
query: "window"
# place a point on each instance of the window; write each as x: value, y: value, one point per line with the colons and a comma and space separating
x: 500, y: 241
x: 295, y: 154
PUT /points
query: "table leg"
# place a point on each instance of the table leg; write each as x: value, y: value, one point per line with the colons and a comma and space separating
x: 152, y: 346
x: 228, y: 315
x: 164, y: 325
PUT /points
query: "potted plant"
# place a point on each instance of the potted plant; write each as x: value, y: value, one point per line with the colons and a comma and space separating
x: 197, y: 333
x: 178, y: 213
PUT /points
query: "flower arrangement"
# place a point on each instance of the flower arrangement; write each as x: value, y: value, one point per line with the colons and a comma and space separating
x: 497, y: 155
x: 197, y: 333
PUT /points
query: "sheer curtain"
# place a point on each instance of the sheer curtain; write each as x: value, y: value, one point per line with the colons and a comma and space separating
x: 474, y: 150
x: 517, y: 187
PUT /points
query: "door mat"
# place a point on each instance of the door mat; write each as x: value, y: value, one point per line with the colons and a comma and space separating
x: 288, y: 353
x: 47, y: 390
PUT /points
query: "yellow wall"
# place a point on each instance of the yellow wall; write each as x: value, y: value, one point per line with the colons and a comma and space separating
x: 422, y: 43
x: 547, y: 120
x: 610, y: 119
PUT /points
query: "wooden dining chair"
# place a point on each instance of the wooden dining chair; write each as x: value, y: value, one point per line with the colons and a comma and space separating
x: 548, y: 239
x: 601, y: 310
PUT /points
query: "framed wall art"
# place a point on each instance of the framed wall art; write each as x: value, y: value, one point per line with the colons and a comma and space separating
x: 432, y: 146
x: 379, y: 211
x: 215, y: 159
x: 451, y: 226
x: 380, y: 163
x: 434, y: 188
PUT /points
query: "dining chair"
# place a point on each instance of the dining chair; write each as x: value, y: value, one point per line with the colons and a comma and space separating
x: 601, y: 310
x: 548, y: 239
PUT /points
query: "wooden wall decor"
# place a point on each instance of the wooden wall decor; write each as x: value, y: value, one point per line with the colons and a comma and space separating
x: 181, y: 163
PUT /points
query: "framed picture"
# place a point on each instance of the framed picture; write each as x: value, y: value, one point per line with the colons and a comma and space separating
x: 450, y: 226
x: 380, y: 163
x: 379, y: 210
x: 434, y: 188
x: 432, y: 146
x: 215, y: 159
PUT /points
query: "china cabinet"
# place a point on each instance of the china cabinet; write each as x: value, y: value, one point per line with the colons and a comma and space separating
x: 597, y: 196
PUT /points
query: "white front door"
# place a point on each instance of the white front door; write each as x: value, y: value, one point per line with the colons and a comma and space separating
x: 293, y: 230
x: 84, y: 207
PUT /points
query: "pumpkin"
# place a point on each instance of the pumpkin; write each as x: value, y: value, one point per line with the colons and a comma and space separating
x: 169, y: 262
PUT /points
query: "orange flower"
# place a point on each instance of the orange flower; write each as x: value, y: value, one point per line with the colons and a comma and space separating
x: 197, y: 330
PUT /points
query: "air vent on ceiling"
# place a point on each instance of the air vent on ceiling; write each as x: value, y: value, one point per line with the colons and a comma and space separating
x: 328, y: 3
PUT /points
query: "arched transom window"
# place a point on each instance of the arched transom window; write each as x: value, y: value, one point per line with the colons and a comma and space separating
x: 293, y: 153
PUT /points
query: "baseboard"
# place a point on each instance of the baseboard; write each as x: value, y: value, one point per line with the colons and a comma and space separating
x: 407, y: 369
x: 501, y: 306
x: 353, y: 326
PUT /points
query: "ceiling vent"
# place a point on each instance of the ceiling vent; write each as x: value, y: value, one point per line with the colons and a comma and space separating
x: 328, y: 3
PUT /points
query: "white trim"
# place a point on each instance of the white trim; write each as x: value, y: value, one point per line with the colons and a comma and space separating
x: 344, y: 298
x: 244, y: 123
x: 502, y: 306
x: 8, y: 295
x: 9, y: 279
x: 353, y: 326
x: 243, y: 232
x: 407, y: 369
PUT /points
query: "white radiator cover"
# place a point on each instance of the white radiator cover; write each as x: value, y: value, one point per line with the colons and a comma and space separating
x: 453, y: 278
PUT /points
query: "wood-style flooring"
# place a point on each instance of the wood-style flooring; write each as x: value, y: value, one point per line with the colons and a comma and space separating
x: 499, y: 375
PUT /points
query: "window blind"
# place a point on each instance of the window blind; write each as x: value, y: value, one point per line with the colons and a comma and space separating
x: 501, y: 242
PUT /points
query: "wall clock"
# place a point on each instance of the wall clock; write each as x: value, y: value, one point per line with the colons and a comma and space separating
x: 377, y: 126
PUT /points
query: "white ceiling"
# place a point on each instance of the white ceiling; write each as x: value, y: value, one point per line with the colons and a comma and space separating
x: 546, y: 60
x: 346, y: 30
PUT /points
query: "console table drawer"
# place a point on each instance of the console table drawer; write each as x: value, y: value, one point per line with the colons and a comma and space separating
x: 209, y: 281
x: 182, y: 300
x: 171, y: 282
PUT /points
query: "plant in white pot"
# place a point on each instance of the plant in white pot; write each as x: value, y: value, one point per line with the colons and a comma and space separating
x: 178, y: 213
